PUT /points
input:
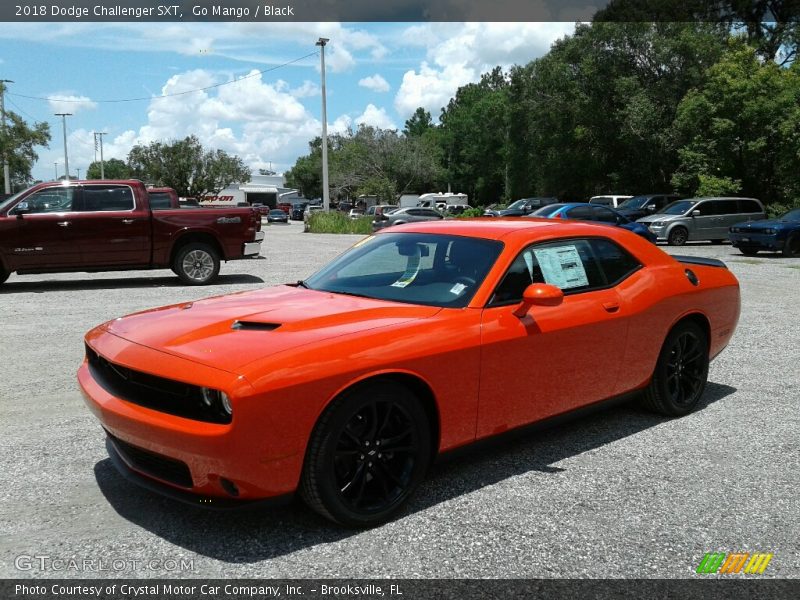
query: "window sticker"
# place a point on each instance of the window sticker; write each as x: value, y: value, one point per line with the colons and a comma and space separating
x: 412, y: 268
x: 562, y: 267
x: 458, y: 288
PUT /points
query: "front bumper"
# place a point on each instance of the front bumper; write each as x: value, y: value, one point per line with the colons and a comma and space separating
x: 186, y: 456
x: 756, y: 241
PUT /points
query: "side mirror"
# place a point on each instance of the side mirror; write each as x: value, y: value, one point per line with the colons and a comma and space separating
x: 695, y: 213
x: 539, y: 294
x: 651, y: 207
x: 21, y: 209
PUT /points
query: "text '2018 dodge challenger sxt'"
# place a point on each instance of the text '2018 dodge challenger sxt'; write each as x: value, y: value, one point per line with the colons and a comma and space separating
x: 344, y: 387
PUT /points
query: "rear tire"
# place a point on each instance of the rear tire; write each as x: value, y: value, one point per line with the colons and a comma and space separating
x: 717, y: 242
x: 748, y: 251
x: 681, y: 371
x: 678, y: 236
x: 367, y: 454
x: 196, y: 264
x: 3, y: 275
x: 792, y: 246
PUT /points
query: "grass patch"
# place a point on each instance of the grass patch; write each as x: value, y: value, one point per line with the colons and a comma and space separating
x: 338, y: 222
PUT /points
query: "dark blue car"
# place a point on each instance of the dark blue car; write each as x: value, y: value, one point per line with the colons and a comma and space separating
x: 594, y: 212
x: 778, y: 235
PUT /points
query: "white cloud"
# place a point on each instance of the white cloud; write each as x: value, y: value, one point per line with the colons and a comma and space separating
x: 458, y: 54
x: 376, y: 117
x: 376, y: 83
x: 69, y: 103
x: 307, y: 89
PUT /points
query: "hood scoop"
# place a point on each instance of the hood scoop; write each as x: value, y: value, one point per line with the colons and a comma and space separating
x: 254, y: 326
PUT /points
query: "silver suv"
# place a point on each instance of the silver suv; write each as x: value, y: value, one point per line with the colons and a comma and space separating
x: 701, y: 219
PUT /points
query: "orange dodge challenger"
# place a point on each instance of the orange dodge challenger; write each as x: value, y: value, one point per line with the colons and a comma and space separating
x: 418, y: 340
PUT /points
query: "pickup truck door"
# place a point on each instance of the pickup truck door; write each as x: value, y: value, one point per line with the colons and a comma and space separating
x: 110, y: 228
x: 41, y: 238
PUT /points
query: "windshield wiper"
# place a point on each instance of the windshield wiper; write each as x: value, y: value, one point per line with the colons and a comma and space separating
x: 301, y: 283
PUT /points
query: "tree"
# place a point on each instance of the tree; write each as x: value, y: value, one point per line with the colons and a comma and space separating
x: 419, y: 123
x: 306, y: 174
x: 113, y: 168
x: 187, y: 167
x: 736, y: 131
x: 17, y: 144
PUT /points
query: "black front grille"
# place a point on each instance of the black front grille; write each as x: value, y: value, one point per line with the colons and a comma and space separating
x: 157, y: 393
x: 153, y: 464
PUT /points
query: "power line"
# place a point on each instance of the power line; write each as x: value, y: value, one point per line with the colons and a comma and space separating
x: 202, y: 89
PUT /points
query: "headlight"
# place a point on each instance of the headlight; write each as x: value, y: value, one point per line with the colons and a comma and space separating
x: 657, y: 224
x: 769, y: 231
x: 216, y: 399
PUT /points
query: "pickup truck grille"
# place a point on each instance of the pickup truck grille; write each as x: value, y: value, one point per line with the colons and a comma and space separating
x: 157, y: 393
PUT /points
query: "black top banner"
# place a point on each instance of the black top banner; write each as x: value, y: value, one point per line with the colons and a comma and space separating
x: 397, y: 10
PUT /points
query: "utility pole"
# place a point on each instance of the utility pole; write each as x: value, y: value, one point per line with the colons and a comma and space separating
x: 326, y: 201
x: 55, y: 166
x: 79, y: 173
x: 100, y: 134
x: 66, y: 158
x: 6, y: 173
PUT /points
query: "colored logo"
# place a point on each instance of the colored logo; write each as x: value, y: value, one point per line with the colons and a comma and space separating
x: 735, y: 562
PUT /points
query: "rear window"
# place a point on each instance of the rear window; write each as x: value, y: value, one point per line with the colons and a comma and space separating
x: 749, y: 206
x: 159, y: 200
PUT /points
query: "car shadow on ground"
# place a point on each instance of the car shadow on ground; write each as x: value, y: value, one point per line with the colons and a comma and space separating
x: 249, y: 536
x: 72, y: 285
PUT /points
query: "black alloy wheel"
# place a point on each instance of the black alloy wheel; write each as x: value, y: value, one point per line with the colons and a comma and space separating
x: 792, y: 246
x: 368, y: 453
x: 681, y: 372
x: 678, y: 236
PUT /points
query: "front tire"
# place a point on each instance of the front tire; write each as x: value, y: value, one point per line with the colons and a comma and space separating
x: 792, y: 246
x: 367, y: 454
x: 196, y: 264
x: 681, y: 372
x: 678, y: 236
x: 748, y: 251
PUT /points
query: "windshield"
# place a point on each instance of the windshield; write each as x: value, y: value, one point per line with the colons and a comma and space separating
x: 792, y: 215
x: 678, y: 207
x: 517, y: 205
x: 548, y: 210
x: 5, y: 203
x: 416, y: 268
x: 635, y: 202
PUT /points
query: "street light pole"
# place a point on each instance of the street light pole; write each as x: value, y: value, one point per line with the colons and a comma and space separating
x: 66, y: 158
x: 102, y: 166
x: 55, y: 167
x: 6, y: 171
x: 326, y: 201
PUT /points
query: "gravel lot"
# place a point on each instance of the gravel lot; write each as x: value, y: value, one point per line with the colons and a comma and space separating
x: 621, y: 493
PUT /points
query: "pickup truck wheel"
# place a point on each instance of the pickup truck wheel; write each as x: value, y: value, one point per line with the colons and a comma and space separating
x: 3, y: 275
x: 367, y: 454
x: 196, y: 264
x: 681, y: 372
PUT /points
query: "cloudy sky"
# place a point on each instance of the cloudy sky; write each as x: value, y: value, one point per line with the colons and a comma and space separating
x: 111, y: 77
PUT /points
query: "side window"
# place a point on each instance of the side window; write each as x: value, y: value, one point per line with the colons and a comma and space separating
x: 51, y: 200
x: 414, y: 212
x: 726, y: 207
x: 707, y: 208
x: 749, y: 206
x: 567, y: 264
x: 105, y: 198
x: 604, y: 215
x: 581, y: 212
x: 615, y: 262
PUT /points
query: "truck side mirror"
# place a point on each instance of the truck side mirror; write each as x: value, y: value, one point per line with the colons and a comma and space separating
x: 21, y: 209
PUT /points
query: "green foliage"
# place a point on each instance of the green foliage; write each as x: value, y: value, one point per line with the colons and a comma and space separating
x: 113, y: 168
x: 470, y: 212
x: 419, y: 123
x: 718, y: 186
x: 187, y: 167
x: 17, y: 143
x: 338, y: 222
x: 777, y: 209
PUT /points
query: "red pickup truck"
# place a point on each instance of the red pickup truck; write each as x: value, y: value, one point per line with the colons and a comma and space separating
x: 109, y: 225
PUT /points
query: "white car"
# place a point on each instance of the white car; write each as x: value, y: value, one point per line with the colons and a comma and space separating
x: 611, y: 200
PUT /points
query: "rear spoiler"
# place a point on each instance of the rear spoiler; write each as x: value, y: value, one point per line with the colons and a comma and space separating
x: 699, y: 260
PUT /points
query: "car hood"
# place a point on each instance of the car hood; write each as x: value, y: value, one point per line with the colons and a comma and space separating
x: 229, y: 332
x: 658, y: 217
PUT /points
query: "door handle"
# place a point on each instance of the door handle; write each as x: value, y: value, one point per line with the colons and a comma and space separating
x: 128, y: 221
x: 611, y: 306
x: 63, y: 223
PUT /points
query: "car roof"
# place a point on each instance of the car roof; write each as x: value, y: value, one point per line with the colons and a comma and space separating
x: 498, y: 227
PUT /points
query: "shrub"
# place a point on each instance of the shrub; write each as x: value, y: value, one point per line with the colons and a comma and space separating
x: 471, y: 212
x: 338, y: 222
